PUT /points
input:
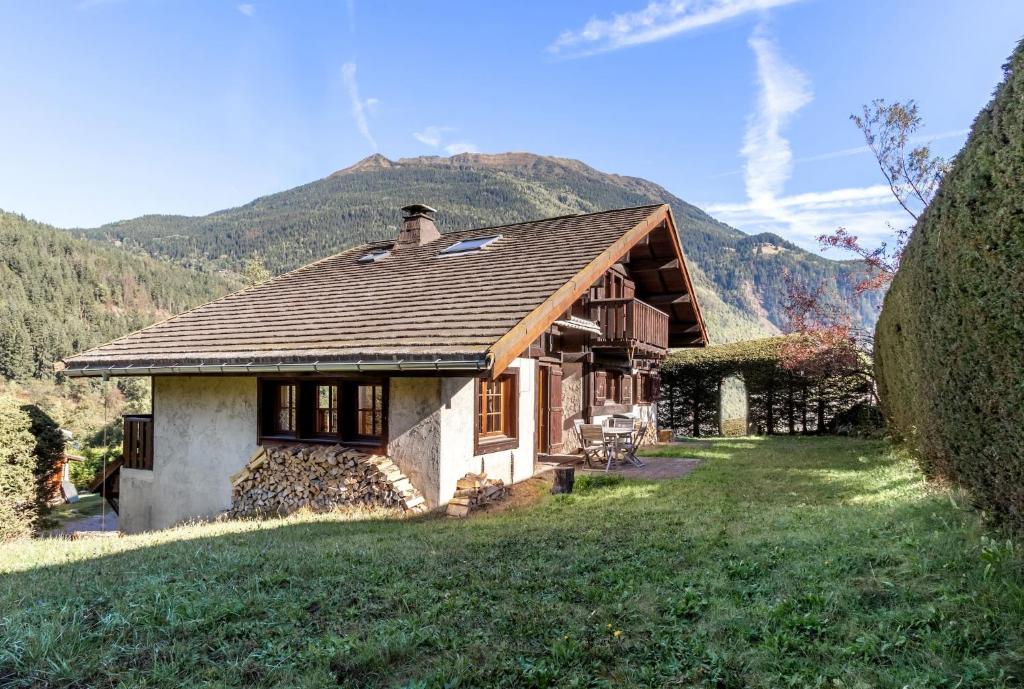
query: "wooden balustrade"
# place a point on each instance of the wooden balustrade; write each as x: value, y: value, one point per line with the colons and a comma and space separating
x: 631, y: 322
x: 138, y: 441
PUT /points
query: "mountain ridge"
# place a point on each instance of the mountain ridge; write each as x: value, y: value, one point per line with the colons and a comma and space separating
x: 360, y: 203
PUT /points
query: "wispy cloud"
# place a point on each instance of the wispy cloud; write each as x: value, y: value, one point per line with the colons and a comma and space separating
x: 359, y: 106
x: 782, y: 91
x: 351, y: 6
x: 656, y: 22
x: 460, y: 147
x: 435, y: 135
x: 247, y: 8
x: 431, y: 136
x: 868, y: 212
x: 859, y: 150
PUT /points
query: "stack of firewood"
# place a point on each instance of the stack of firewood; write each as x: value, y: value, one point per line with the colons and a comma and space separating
x: 473, y: 491
x: 282, y: 479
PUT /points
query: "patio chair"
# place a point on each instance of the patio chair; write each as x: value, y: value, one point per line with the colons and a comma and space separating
x: 632, y: 444
x: 593, y: 444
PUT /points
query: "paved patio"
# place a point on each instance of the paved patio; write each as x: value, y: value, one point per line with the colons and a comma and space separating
x: 654, y: 469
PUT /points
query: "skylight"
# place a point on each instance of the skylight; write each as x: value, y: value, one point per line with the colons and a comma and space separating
x: 467, y: 245
x: 374, y: 256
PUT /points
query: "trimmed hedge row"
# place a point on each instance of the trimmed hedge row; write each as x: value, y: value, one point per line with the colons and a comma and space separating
x: 778, y: 400
x: 950, y: 338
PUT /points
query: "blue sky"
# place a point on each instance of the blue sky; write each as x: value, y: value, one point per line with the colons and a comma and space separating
x: 116, y: 108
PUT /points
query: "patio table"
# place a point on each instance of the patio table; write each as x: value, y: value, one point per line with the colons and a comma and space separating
x: 613, y: 436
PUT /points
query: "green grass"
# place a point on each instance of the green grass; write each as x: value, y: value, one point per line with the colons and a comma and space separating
x: 88, y: 505
x: 795, y: 562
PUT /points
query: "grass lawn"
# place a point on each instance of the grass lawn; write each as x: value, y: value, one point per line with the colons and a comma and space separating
x: 784, y: 562
x: 88, y: 505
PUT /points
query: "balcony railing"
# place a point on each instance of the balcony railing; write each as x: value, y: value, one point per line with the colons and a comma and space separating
x: 138, y: 441
x: 630, y: 323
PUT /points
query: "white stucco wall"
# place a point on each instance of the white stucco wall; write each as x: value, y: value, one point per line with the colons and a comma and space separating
x: 459, y: 415
x: 414, y: 430
x: 204, y: 430
x: 431, y: 433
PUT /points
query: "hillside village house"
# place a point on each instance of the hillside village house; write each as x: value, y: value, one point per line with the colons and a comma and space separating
x: 449, y: 353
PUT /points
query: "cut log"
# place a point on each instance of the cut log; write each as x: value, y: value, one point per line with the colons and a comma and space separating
x: 565, y: 477
x: 283, y: 479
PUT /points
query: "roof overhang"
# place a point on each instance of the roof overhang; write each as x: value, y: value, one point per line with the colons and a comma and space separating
x: 360, y: 366
x: 516, y: 340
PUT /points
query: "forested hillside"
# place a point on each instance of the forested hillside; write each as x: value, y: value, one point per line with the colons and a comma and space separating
x: 361, y: 204
x: 62, y: 294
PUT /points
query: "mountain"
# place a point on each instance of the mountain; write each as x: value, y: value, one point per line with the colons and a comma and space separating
x: 62, y: 294
x: 739, y: 276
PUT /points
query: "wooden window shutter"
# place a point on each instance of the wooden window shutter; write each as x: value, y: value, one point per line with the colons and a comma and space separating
x: 555, y: 415
x: 599, y: 386
x: 626, y: 392
x: 654, y: 383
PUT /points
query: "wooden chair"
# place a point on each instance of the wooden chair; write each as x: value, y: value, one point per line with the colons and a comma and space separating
x: 632, y: 444
x: 592, y: 442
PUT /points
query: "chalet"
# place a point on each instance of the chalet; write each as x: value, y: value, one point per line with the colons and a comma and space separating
x: 448, y: 353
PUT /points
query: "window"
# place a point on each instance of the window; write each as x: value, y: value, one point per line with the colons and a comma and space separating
x: 612, y: 387
x: 323, y: 410
x: 326, y: 409
x: 374, y: 255
x: 370, y: 411
x: 640, y: 389
x: 497, y: 404
x: 285, y: 410
x: 465, y: 245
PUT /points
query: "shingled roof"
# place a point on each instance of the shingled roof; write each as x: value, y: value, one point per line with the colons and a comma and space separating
x: 416, y: 308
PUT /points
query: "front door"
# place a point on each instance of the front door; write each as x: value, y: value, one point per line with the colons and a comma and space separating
x: 542, y: 408
x: 548, y: 410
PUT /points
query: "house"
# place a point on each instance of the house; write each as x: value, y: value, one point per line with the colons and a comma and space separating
x: 474, y: 350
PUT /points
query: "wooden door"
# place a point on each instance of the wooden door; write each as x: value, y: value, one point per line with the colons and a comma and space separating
x: 541, y: 409
x: 555, y: 412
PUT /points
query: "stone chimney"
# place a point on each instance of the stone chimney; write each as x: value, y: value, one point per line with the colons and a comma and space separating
x: 417, y: 226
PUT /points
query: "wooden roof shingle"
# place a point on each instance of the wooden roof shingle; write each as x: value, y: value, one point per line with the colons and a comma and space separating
x: 416, y: 304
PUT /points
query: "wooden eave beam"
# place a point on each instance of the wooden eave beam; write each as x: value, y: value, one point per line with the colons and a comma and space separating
x: 674, y: 236
x: 648, y: 265
x: 668, y: 299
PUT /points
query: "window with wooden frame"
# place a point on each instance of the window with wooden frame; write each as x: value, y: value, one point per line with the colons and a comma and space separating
x: 285, y: 401
x: 323, y: 410
x: 497, y: 406
x: 326, y: 410
x: 640, y: 389
x: 370, y: 410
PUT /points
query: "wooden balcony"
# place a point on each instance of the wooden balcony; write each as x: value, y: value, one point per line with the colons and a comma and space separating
x: 630, y: 324
x: 138, y: 441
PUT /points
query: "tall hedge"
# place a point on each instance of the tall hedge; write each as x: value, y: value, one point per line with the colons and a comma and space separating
x: 950, y: 338
x: 778, y: 400
x: 17, y: 462
x: 48, y: 453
